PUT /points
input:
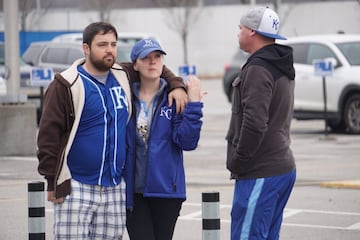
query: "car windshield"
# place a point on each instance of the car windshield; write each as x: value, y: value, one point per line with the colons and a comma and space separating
x: 351, y: 51
x: 123, y: 53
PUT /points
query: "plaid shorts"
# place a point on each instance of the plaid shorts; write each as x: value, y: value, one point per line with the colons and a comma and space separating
x: 91, y: 212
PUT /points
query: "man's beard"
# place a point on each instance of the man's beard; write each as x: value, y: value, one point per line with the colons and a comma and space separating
x: 101, y: 64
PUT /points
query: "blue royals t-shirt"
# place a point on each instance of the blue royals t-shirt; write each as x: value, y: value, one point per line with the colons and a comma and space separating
x: 97, y: 155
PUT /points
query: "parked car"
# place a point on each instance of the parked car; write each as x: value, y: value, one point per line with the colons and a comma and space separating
x: 232, y: 71
x: 342, y: 87
x: 25, y: 69
x: 68, y: 37
x: 2, y: 69
x: 2, y: 86
x: 60, y: 55
x: 124, y: 37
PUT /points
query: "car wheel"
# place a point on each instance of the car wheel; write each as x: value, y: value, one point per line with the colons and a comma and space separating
x: 352, y: 114
x: 336, y: 126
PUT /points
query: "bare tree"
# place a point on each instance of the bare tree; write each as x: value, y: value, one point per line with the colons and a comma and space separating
x: 104, y: 8
x: 26, y: 7
x: 276, y: 4
x: 182, y: 14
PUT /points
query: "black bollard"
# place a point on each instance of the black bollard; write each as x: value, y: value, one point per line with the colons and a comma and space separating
x: 211, y: 216
x: 36, y: 207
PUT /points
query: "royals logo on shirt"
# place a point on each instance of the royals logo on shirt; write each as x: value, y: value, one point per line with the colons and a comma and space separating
x: 119, y: 98
x: 166, y: 112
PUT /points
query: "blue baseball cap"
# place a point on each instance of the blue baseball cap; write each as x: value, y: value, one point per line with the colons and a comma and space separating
x: 143, y: 47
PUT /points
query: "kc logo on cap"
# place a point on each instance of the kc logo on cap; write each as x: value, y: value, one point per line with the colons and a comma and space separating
x: 143, y: 47
x: 148, y: 43
x: 264, y: 21
x: 276, y: 24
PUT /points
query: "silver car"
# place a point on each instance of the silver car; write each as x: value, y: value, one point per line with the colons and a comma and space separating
x: 60, y: 55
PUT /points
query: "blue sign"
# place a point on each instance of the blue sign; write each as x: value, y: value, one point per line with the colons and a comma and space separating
x: 323, y: 67
x: 185, y: 71
x: 41, y: 76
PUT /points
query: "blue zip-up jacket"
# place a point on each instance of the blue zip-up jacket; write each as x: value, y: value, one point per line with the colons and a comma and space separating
x: 170, y: 134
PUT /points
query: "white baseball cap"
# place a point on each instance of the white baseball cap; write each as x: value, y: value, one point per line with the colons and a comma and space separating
x: 264, y: 21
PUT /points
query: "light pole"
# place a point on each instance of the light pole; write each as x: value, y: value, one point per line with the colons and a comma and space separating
x: 12, y: 56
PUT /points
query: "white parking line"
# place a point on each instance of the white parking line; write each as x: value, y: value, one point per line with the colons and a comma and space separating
x: 195, y: 215
x: 315, y: 226
x: 18, y: 158
x: 355, y: 226
x: 325, y: 212
x: 289, y: 212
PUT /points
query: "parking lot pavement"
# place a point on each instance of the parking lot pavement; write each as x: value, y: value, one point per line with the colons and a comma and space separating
x: 316, y: 209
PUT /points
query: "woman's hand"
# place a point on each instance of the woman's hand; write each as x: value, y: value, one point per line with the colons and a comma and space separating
x: 194, y: 89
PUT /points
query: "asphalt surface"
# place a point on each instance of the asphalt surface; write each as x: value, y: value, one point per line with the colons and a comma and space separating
x: 324, y: 205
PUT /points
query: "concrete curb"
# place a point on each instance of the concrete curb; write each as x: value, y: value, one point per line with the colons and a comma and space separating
x: 353, y: 184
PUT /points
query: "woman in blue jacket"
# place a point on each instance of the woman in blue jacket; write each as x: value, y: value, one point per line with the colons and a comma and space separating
x: 161, y: 136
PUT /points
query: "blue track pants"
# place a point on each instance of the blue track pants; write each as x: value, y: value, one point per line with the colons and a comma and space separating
x: 258, y: 206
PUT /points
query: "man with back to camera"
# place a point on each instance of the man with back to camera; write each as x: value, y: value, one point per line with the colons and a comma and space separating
x: 258, y: 152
